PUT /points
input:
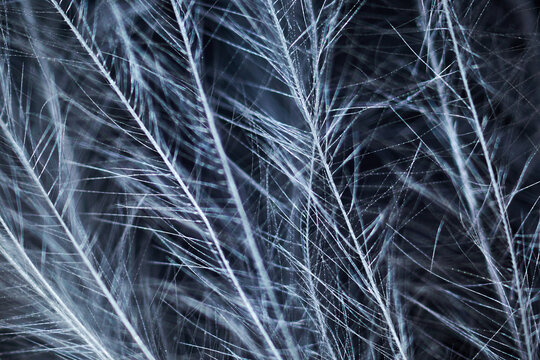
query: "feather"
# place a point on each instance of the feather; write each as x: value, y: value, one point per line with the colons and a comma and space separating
x: 256, y: 179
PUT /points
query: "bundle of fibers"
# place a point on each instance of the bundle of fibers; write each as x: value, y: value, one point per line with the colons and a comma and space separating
x: 269, y: 179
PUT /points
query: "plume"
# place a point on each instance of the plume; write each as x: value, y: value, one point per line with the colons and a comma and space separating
x: 269, y: 179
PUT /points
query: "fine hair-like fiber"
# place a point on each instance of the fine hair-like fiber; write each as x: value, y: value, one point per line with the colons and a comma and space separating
x: 269, y: 179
